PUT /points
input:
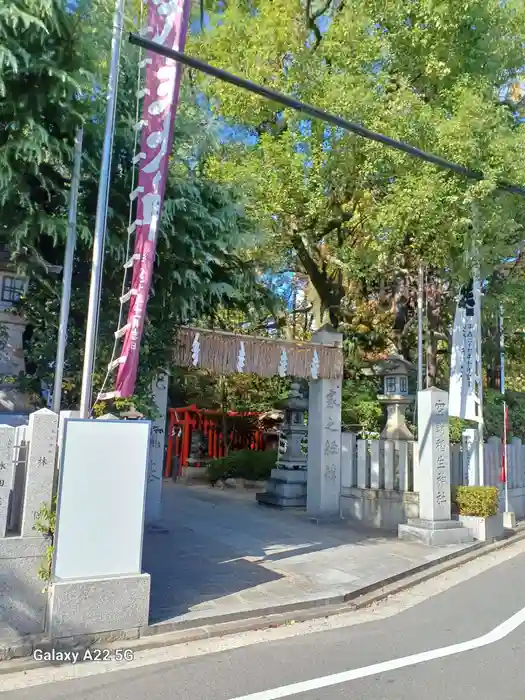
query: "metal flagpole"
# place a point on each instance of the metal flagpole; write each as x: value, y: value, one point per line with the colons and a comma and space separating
x: 101, y: 215
x: 420, y: 301
x: 481, y: 447
x: 476, y: 288
x: 502, y: 389
x: 67, y: 273
x: 506, y: 457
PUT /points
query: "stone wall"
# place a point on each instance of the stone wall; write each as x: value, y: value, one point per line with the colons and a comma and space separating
x: 379, y: 508
x: 377, y: 481
x: 27, y: 462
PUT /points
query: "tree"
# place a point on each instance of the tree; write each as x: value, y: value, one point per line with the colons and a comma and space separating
x: 44, y: 67
x: 201, y: 265
x: 356, y: 217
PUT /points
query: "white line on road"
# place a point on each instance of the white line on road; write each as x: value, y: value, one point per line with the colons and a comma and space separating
x: 498, y: 633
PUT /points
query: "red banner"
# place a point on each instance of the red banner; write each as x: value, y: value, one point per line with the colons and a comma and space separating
x: 167, y: 25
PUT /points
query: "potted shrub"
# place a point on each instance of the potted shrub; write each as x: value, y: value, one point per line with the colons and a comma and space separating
x: 478, y: 511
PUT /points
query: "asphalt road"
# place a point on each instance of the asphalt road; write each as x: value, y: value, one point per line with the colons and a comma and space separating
x: 468, y: 611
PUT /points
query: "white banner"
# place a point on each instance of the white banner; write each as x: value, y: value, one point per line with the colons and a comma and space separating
x: 464, y: 365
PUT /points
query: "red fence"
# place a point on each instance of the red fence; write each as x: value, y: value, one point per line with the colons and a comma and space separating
x: 182, y: 423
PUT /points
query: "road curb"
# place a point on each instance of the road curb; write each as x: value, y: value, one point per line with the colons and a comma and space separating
x: 17, y: 655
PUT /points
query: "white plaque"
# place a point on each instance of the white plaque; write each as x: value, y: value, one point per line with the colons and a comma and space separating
x: 100, y: 510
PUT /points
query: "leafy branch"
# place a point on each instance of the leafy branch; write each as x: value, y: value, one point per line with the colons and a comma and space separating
x: 45, y: 523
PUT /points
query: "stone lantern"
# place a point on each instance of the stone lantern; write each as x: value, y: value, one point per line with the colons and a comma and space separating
x: 294, y: 431
x: 287, y: 485
x: 395, y: 371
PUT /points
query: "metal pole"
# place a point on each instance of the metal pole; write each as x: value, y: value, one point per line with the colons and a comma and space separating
x: 67, y: 273
x: 481, y: 447
x: 101, y: 216
x: 506, y: 457
x: 502, y: 389
x: 420, y: 292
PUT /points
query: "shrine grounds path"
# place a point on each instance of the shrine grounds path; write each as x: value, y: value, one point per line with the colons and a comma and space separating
x: 461, y: 606
x: 225, y: 556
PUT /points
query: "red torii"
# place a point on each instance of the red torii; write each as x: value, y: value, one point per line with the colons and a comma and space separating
x: 191, y: 418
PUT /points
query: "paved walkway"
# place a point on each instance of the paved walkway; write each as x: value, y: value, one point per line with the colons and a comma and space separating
x: 225, y: 554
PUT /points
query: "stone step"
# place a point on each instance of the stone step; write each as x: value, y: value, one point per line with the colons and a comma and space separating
x: 280, y: 487
x: 295, y: 476
x: 435, y: 537
x: 271, y: 499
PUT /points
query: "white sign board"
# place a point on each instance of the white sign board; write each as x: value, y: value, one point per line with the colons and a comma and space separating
x: 101, y: 495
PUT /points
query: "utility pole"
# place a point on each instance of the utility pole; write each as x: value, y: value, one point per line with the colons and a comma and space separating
x: 101, y: 215
x: 67, y: 272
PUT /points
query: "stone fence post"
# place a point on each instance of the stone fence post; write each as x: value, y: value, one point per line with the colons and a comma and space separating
x: 153, y: 511
x: 348, y: 460
x: 42, y: 438
x: 22, y: 602
x: 7, y: 473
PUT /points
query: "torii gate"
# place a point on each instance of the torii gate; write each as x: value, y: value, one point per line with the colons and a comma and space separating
x: 320, y: 361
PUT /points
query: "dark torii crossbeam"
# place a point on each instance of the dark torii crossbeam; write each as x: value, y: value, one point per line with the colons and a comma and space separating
x: 317, y: 113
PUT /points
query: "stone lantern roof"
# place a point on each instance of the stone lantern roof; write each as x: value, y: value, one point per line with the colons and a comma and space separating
x: 393, y: 364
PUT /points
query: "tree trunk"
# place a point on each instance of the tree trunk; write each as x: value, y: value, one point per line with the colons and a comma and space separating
x: 224, y: 410
x: 330, y: 291
x: 492, y: 360
x: 434, y: 301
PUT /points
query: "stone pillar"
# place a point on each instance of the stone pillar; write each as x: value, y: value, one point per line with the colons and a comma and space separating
x: 324, y: 439
x: 7, y: 473
x: 470, y: 456
x: 153, y: 512
x: 42, y: 438
x: 434, y: 526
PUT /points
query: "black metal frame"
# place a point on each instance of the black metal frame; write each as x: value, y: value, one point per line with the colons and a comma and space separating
x: 12, y: 289
x: 315, y: 112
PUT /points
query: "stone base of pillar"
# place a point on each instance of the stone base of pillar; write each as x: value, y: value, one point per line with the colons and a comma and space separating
x: 436, y: 533
x: 156, y: 528
x: 285, y: 488
x: 509, y: 520
x: 93, y: 606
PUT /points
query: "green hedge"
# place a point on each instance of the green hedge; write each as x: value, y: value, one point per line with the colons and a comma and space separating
x: 243, y: 464
x: 480, y: 501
